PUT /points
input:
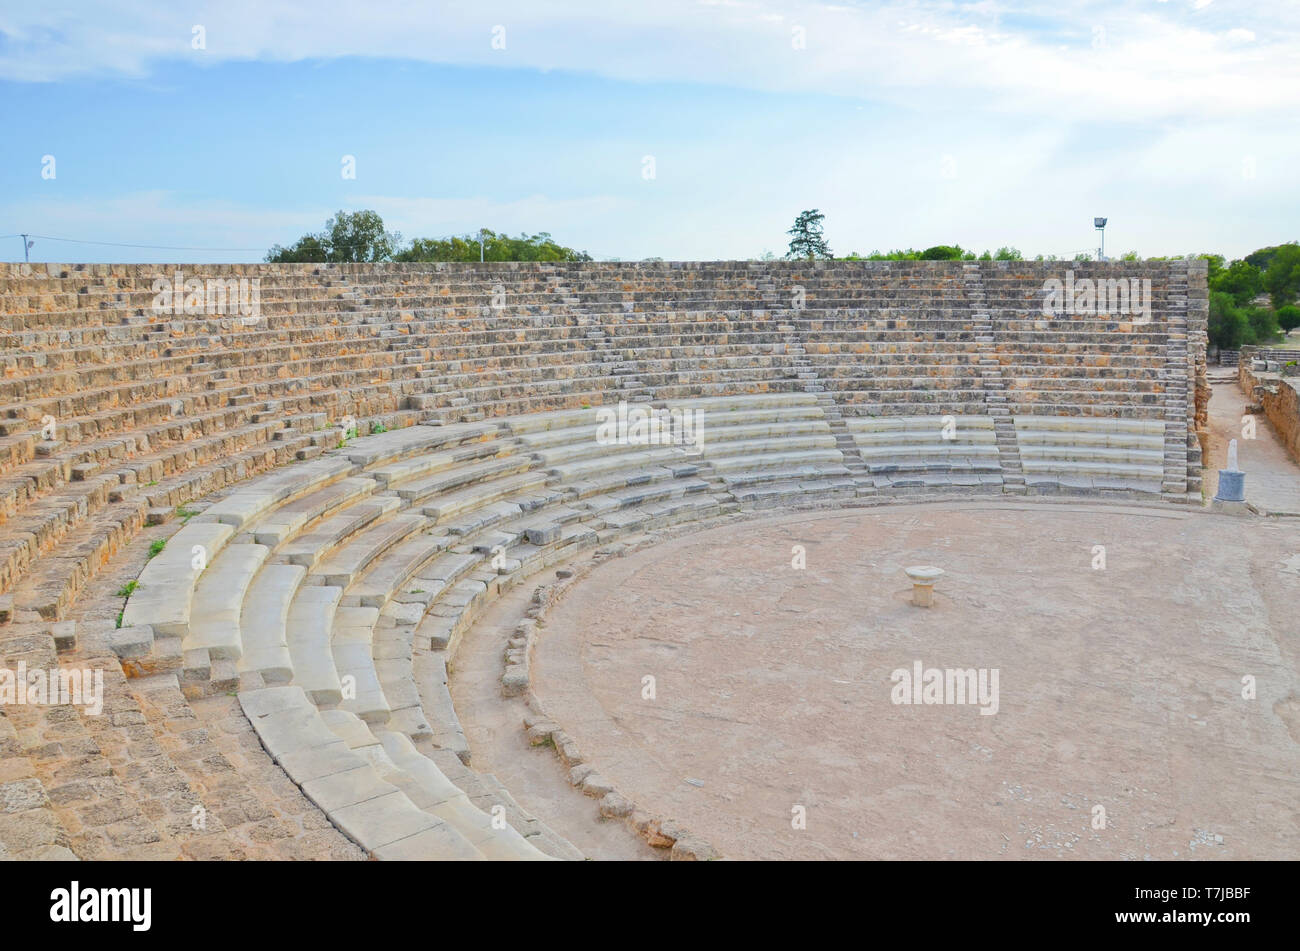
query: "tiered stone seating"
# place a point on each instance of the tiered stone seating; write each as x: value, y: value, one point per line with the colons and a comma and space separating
x: 234, y: 397
x: 329, y: 579
x: 1090, y: 453
x: 364, y: 617
x: 264, y: 623
x: 165, y: 589
x: 151, y: 410
x: 766, y: 449
x: 1109, y: 364
x: 406, y: 811
x: 154, y: 413
x: 927, y: 451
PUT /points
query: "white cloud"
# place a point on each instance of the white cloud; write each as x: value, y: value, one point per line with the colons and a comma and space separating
x: 1048, y: 120
x: 1156, y: 61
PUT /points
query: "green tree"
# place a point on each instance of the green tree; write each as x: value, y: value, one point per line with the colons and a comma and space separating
x: 943, y: 252
x: 360, y: 237
x: 349, y: 237
x: 1228, y: 328
x: 1232, y: 326
x: 807, y: 241
x: 1008, y: 254
x: 306, y: 250
x: 495, y: 247
x: 1282, y: 278
x: 1263, y: 324
x: 1263, y: 257
x: 1288, y: 317
x: 1240, y: 279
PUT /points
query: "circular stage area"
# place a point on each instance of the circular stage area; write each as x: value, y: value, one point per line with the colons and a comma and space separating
x: 711, y: 680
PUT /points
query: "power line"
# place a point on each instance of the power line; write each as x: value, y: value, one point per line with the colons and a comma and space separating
x: 469, y: 237
x: 116, y: 244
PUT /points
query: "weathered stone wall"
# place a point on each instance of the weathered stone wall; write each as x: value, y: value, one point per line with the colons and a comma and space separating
x: 1277, y: 355
x: 1198, y: 340
x: 1279, y: 398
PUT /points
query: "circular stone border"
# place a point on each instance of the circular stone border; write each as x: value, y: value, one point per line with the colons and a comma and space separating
x: 661, y: 832
x: 658, y: 832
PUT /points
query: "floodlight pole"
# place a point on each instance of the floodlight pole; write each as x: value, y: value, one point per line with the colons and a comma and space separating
x: 26, y: 244
x: 480, y: 245
x: 1100, y: 225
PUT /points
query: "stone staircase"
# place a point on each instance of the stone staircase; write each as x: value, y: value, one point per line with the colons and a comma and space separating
x: 1013, y: 481
x: 806, y: 377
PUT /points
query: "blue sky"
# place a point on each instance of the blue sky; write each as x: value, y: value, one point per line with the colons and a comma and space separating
x: 907, y: 123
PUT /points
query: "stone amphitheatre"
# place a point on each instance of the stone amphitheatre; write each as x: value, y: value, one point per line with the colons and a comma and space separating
x: 368, y: 573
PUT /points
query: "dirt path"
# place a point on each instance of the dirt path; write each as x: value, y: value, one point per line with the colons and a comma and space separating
x: 1272, y: 477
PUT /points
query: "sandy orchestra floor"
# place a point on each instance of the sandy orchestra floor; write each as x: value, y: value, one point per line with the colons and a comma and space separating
x: 1118, y: 687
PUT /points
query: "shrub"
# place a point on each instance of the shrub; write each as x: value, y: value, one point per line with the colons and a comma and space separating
x: 1263, y: 324
x: 1228, y: 328
x: 1288, y: 317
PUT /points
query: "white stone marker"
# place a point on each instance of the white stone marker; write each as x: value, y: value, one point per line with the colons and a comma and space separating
x: 923, y: 579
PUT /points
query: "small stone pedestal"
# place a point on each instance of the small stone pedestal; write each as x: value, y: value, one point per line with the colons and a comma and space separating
x: 923, y: 578
x: 1232, y: 486
x: 1231, y: 496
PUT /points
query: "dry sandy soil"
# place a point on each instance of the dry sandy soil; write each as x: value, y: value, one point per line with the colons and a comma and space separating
x: 1119, y: 687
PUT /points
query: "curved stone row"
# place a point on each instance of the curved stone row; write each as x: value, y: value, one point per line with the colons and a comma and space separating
x: 114, y: 412
x: 659, y: 832
x: 333, y: 594
x: 350, y: 596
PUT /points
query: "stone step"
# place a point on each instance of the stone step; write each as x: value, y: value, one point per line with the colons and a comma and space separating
x: 342, y: 566
x: 308, y: 628
x: 344, y: 784
x: 164, y: 591
x: 263, y: 623
x: 218, y: 597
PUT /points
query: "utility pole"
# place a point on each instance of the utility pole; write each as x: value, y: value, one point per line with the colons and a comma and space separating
x: 26, y: 245
x: 480, y: 245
